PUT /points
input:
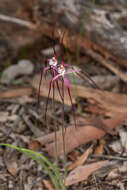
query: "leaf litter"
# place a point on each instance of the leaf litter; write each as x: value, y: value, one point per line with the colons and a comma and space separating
x: 84, y: 165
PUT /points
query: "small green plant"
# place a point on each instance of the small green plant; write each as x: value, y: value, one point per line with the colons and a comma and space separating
x: 45, y: 163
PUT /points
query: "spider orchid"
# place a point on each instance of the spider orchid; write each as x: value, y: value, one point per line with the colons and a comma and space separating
x: 52, y: 67
x: 59, y: 71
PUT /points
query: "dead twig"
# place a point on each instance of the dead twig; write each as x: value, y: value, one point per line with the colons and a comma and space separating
x: 110, y: 157
x: 18, y: 21
x: 34, y: 129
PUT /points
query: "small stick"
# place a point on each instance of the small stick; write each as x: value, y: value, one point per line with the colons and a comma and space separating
x: 17, y: 21
x: 110, y: 157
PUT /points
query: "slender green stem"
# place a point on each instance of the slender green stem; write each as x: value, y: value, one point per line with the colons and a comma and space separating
x: 63, y: 133
x: 55, y: 127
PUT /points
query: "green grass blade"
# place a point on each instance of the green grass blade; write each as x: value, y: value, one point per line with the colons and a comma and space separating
x: 51, y: 166
x: 31, y: 154
x: 53, y: 178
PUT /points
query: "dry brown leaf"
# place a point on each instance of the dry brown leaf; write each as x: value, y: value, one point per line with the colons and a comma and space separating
x: 81, y: 160
x: 82, y: 172
x: 48, y: 184
x: 78, y: 136
x: 16, y: 92
x: 74, y: 138
x: 100, y: 148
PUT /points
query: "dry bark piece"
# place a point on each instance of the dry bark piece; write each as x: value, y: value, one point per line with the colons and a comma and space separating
x: 78, y: 136
x: 82, y: 172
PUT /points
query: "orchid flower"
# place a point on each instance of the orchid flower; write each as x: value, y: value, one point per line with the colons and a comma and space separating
x: 53, y: 68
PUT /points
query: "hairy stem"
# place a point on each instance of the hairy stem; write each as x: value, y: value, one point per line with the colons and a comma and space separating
x: 55, y: 127
x: 63, y: 133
